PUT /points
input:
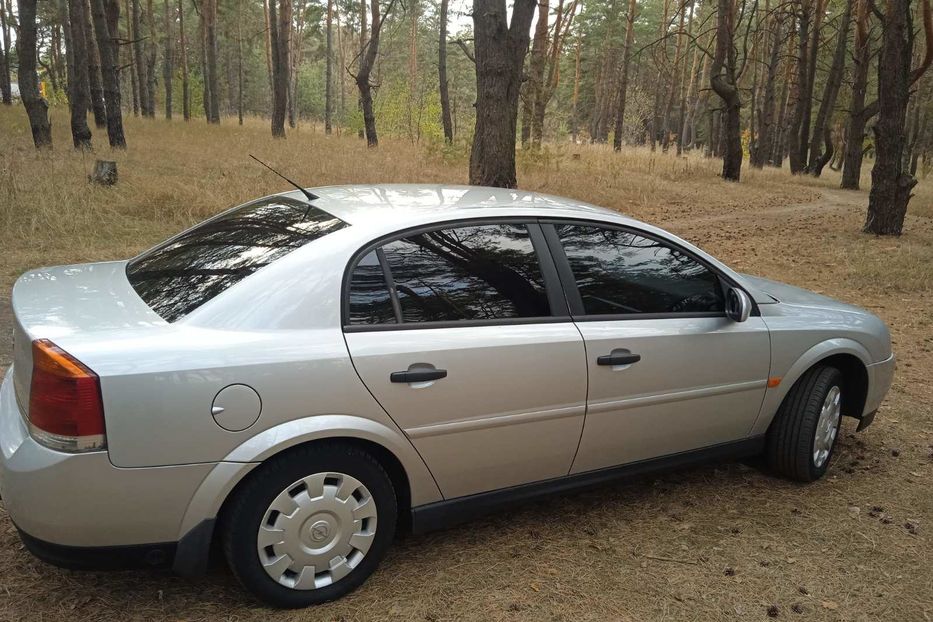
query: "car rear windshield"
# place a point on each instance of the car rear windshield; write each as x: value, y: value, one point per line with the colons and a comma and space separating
x: 180, y: 275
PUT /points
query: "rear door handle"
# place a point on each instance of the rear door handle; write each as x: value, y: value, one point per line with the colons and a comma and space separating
x: 618, y: 359
x: 418, y: 375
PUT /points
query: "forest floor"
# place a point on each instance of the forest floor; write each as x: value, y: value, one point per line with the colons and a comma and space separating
x: 724, y: 542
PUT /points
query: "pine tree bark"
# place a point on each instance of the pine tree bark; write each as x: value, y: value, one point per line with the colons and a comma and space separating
x: 95, y: 87
x: 210, y: 53
x: 129, y: 57
x: 859, y: 114
x: 329, y: 70
x: 139, y: 59
x: 367, y: 62
x: 822, y: 133
x: 563, y: 20
x: 183, y: 53
x: 79, y: 95
x: 281, y: 19
x: 37, y: 109
x: 105, y: 14
x: 891, y: 184
x: 760, y: 155
x: 623, y: 79
x: 535, y: 75
x: 723, y: 82
x: 168, y: 68
x: 151, y: 52
x: 443, y: 85
x: 6, y: 90
x: 500, y: 54
x: 802, y: 102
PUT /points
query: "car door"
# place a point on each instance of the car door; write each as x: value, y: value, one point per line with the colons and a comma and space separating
x: 668, y: 371
x: 462, y: 334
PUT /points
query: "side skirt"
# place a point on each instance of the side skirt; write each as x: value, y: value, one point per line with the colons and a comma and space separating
x: 450, y: 512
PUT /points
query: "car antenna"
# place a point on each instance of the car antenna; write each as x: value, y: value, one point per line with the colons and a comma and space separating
x: 310, y: 196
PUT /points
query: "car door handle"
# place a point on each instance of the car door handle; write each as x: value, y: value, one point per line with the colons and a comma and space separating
x: 418, y: 375
x: 618, y: 359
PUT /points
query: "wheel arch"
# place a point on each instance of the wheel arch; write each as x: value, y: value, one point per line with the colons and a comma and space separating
x: 847, y: 355
x: 409, y: 474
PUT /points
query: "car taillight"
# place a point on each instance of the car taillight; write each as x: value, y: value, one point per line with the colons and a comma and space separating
x: 66, y: 411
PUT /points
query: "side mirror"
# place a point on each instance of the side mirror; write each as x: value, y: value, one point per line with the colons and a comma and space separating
x: 738, y: 305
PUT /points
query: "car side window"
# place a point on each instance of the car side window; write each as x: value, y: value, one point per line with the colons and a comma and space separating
x: 370, y: 302
x: 476, y: 272
x: 620, y: 272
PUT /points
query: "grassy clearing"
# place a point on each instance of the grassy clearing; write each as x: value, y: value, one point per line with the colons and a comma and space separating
x: 722, y: 542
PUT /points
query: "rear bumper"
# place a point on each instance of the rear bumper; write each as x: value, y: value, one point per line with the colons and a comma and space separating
x: 100, y: 557
x: 70, y: 507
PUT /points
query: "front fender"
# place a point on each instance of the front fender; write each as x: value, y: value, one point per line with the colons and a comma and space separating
x: 214, y: 489
x: 824, y: 349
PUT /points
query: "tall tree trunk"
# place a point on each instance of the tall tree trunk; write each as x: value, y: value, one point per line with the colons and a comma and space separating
x: 675, y: 81
x: 6, y: 91
x: 79, y: 95
x: 367, y: 62
x: 562, y: 21
x: 891, y: 184
x: 266, y: 8
x: 281, y: 19
x: 130, y: 55
x: 239, y: 63
x: 500, y: 54
x: 623, y: 80
x: 574, y: 119
x: 151, y: 49
x: 168, y: 69
x: 442, y: 75
x: 822, y: 133
x: 183, y: 52
x: 329, y: 70
x: 140, y: 60
x: 37, y: 109
x: 802, y: 103
x: 859, y: 114
x: 686, y: 86
x: 723, y: 81
x: 105, y: 15
x: 760, y: 155
x: 93, y: 70
x: 536, y: 63
x: 210, y: 44
x: 811, y: 81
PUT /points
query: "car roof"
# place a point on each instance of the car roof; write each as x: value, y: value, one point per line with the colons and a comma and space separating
x: 392, y: 203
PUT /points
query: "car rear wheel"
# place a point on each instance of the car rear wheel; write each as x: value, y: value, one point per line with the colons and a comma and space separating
x: 802, y: 438
x: 311, y: 525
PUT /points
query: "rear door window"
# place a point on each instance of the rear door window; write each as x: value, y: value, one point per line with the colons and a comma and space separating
x: 182, y: 274
x: 473, y: 272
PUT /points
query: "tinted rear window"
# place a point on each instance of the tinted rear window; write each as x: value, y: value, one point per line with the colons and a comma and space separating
x: 180, y: 275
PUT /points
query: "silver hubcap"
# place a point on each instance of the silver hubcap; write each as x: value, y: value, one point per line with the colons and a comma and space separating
x: 316, y: 531
x: 827, y: 427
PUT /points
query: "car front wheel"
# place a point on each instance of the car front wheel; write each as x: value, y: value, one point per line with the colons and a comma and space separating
x: 311, y: 525
x: 803, y: 435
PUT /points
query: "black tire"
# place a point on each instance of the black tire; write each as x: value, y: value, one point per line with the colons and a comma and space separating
x: 241, y: 520
x: 789, y: 447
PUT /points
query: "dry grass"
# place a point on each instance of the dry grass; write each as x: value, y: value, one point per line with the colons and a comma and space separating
x: 724, y: 542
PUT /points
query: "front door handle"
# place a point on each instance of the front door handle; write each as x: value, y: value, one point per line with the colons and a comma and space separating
x: 418, y: 375
x: 622, y: 358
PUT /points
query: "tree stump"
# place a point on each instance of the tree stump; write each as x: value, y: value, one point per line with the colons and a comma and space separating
x: 105, y: 173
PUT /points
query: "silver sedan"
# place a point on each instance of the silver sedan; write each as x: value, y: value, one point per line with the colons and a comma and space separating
x: 301, y: 376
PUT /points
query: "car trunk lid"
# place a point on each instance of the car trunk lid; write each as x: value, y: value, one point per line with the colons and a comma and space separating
x: 53, y: 303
